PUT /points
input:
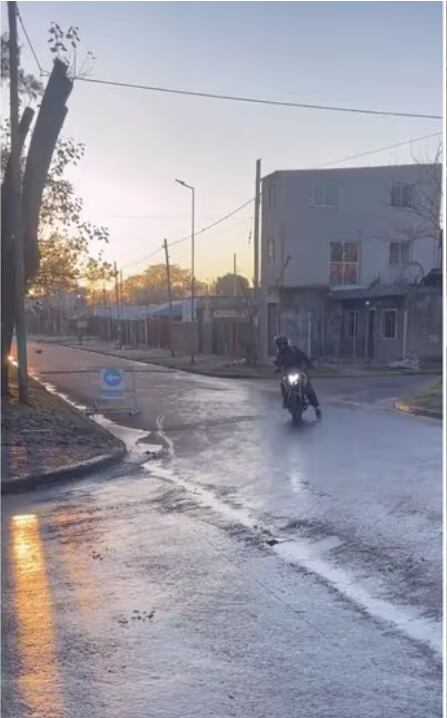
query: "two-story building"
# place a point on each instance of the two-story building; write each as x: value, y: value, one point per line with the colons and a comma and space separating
x: 340, y: 251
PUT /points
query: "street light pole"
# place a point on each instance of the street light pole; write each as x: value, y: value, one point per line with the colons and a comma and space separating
x: 193, y: 285
x: 193, y: 281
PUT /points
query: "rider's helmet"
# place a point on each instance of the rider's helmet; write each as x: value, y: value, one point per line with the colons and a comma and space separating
x: 282, y: 342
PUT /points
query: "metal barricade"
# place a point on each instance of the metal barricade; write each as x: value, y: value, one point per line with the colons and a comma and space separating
x: 113, y: 389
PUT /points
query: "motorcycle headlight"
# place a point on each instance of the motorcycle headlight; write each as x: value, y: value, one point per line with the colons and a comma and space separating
x: 293, y: 379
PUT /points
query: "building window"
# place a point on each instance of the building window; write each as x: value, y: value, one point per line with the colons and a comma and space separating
x: 353, y: 324
x: 390, y: 324
x: 271, y: 250
x: 344, y: 263
x: 403, y: 195
x: 271, y: 196
x: 325, y: 195
x: 399, y: 252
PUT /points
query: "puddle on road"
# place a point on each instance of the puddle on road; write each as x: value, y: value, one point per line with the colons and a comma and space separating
x: 407, y: 620
x: 139, y: 442
x: 313, y: 556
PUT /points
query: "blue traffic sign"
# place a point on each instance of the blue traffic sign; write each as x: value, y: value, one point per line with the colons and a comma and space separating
x: 112, y: 377
x: 112, y: 380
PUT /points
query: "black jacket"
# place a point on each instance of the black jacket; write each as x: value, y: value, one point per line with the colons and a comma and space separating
x: 292, y: 358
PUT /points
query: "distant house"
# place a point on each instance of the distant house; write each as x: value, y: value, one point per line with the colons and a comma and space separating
x: 340, y: 249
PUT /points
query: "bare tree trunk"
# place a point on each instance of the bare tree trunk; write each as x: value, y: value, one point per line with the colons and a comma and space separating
x: 7, y: 258
x: 45, y: 135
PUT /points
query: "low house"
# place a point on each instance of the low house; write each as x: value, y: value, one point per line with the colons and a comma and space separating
x: 385, y: 323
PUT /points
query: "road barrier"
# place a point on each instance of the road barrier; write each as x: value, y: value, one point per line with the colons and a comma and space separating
x: 114, y: 389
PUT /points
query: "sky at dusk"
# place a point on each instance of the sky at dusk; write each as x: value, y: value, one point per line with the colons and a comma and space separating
x: 385, y: 55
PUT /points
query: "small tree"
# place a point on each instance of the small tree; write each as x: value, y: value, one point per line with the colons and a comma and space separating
x: 424, y: 218
x: 150, y: 287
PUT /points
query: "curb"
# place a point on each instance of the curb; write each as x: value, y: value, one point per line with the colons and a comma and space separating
x: 417, y: 410
x: 239, y: 375
x: 32, y: 482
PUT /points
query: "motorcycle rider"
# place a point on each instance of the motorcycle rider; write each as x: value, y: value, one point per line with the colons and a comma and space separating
x: 290, y: 357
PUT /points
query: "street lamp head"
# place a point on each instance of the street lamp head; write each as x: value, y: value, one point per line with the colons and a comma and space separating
x: 185, y: 184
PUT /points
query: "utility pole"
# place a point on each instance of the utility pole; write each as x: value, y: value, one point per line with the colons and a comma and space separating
x: 256, y: 227
x: 117, y: 300
x: 104, y: 305
x: 188, y: 186
x: 256, y: 329
x: 16, y: 197
x: 122, y: 320
x: 235, y: 275
x: 193, y: 280
x: 168, y: 279
x: 146, y: 319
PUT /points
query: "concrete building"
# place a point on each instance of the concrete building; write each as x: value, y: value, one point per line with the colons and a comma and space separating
x: 333, y: 236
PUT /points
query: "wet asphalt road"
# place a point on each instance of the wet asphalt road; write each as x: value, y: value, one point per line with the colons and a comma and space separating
x: 250, y: 569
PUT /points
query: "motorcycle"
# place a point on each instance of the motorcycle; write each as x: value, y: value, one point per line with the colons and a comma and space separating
x: 297, y: 402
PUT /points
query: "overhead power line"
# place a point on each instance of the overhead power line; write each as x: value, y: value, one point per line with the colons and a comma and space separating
x: 234, y: 98
x: 30, y: 44
x: 198, y: 233
x: 239, y: 98
x: 261, y: 101
x: 214, y: 224
x: 245, y: 204
x: 379, y: 149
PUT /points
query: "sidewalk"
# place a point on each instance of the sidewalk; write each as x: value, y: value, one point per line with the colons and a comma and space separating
x: 48, y: 440
x: 427, y: 403
x: 219, y: 366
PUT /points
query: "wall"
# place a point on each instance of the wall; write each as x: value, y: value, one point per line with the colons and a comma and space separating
x: 302, y: 316
x: 423, y: 335
x: 424, y: 338
x: 341, y: 345
x: 364, y: 214
x: 185, y: 337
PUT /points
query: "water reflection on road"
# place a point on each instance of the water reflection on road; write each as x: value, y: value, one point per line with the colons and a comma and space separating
x: 38, y: 680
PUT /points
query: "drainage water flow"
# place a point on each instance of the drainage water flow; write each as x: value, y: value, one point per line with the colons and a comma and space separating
x: 313, y: 556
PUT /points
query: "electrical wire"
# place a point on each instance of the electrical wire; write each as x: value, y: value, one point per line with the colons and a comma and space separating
x: 239, y: 98
x: 261, y: 101
x: 245, y: 204
x: 214, y: 224
x: 30, y: 44
x: 280, y: 103
x: 196, y: 234
x: 379, y: 149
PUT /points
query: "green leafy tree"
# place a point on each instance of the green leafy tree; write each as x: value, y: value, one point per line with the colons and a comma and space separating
x: 150, y: 287
x: 30, y: 87
x: 96, y: 277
